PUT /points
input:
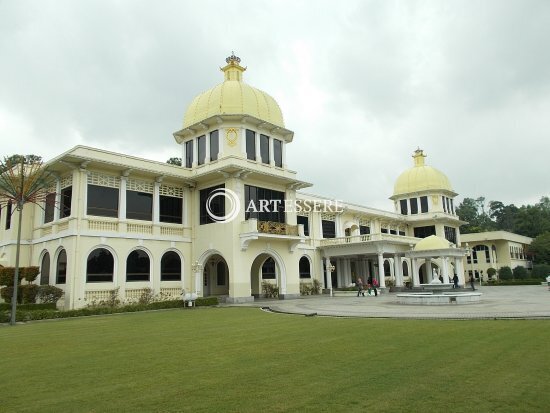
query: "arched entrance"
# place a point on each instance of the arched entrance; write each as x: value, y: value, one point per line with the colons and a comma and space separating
x: 423, y: 273
x: 215, y: 276
x: 267, y: 268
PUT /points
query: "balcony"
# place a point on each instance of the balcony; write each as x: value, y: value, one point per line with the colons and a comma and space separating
x: 365, y: 238
x: 277, y: 228
x: 252, y: 229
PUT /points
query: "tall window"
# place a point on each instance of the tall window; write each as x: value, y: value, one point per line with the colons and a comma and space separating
x: 8, y: 215
x: 139, y: 205
x: 414, y: 206
x: 305, y: 222
x: 452, y: 206
x: 450, y: 234
x: 264, y: 148
x: 137, y: 266
x: 423, y: 232
x: 171, y: 209
x: 201, y: 148
x: 403, y: 204
x: 268, y: 269
x: 278, y: 152
x: 216, y: 204
x: 214, y: 145
x: 485, y: 249
x: 61, y: 268
x: 250, y: 145
x: 423, y: 204
x: 45, y: 269
x: 100, y: 266
x: 304, y: 267
x: 49, y: 207
x: 189, y: 154
x: 363, y: 229
x: 66, y: 201
x: 102, y: 201
x: 264, y: 204
x: 220, y: 273
x: 170, y: 267
x: 329, y: 229
x: 444, y: 203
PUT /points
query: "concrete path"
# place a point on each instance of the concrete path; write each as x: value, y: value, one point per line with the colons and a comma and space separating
x: 506, y: 302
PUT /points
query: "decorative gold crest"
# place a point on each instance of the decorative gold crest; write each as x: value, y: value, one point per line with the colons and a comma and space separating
x: 435, y: 200
x: 231, y: 136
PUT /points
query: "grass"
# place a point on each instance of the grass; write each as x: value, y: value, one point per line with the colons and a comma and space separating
x: 246, y: 360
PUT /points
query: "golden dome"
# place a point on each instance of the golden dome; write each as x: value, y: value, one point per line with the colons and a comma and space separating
x: 421, y: 178
x: 433, y: 242
x: 233, y: 97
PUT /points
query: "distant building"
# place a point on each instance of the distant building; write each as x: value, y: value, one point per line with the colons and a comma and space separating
x: 495, y: 249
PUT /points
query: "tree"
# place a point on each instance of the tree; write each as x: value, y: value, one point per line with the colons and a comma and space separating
x: 174, y: 161
x: 505, y: 273
x: 520, y: 273
x: 23, y: 180
x: 540, y: 271
x: 540, y: 247
x: 473, y: 211
x: 503, y: 215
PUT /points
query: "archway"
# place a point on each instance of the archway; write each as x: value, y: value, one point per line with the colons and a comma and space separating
x: 267, y: 267
x: 215, y: 277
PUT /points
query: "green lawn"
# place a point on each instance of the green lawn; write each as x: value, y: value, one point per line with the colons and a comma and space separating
x: 246, y: 360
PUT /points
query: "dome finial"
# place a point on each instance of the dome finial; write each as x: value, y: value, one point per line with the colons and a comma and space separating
x: 419, y: 157
x: 233, y: 70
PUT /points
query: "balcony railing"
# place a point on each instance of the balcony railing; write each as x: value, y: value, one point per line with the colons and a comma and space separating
x: 277, y: 228
x: 367, y: 238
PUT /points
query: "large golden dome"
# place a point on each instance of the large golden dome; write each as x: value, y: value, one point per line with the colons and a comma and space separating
x: 233, y: 97
x: 421, y: 178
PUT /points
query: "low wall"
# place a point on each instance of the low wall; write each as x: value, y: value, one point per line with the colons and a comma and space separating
x: 429, y: 298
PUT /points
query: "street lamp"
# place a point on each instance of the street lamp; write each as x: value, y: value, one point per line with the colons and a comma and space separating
x: 197, y: 270
x: 470, y: 256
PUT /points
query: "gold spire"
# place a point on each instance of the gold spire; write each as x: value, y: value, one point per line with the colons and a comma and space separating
x: 233, y: 70
x: 419, y: 157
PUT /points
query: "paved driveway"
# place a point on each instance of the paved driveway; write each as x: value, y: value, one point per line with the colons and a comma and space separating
x: 529, y: 301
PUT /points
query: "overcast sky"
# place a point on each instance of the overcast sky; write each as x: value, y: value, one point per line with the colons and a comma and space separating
x: 361, y: 83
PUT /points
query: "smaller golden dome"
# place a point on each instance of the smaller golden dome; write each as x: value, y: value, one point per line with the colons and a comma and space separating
x: 433, y: 242
x: 421, y: 178
x: 233, y: 97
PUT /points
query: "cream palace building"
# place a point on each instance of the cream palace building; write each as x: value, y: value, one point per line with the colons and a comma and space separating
x: 114, y: 221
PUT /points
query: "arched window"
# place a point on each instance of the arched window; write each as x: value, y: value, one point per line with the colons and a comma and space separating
x: 45, y: 269
x: 405, y: 269
x: 137, y: 266
x: 170, y: 267
x: 305, y: 270
x: 100, y: 266
x: 482, y: 248
x: 61, y: 268
x: 387, y: 271
x: 268, y: 269
x: 220, y: 273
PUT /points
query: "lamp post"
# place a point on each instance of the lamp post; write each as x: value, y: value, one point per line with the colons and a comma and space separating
x: 331, y: 269
x: 197, y: 270
x: 469, y: 255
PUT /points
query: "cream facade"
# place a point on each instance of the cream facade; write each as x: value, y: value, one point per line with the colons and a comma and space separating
x: 114, y: 221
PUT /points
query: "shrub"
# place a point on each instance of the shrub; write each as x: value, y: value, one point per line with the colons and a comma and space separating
x: 28, y: 307
x: 7, y: 293
x: 520, y: 273
x: 6, y: 276
x: 208, y: 301
x: 147, y: 296
x: 316, y: 287
x: 306, y: 289
x: 491, y: 272
x: 540, y: 271
x: 505, y: 273
x: 29, y: 273
x: 49, y: 294
x: 270, y: 290
x: 28, y: 293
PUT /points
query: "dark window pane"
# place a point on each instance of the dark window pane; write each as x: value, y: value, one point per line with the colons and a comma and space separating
x: 201, y: 147
x: 384, y: 230
x: 329, y: 229
x: 170, y: 267
x: 217, y: 205
x: 402, y: 233
x: 139, y: 205
x: 452, y: 207
x: 61, y: 268
x: 189, y: 154
x: 423, y: 232
x: 444, y: 203
x: 363, y: 230
x: 403, y: 204
x: 100, y: 266
x: 414, y: 206
x: 220, y: 273
x: 305, y: 222
x: 423, y: 204
x: 264, y: 148
x: 393, y: 231
x: 268, y: 269
x: 250, y: 145
x: 170, y: 209
x: 8, y: 215
x: 450, y: 234
x: 137, y: 266
x: 264, y: 204
x: 66, y: 201
x: 102, y: 201
x: 305, y: 271
x: 49, y: 208
x: 278, y: 152
x: 214, y: 145
x: 45, y: 269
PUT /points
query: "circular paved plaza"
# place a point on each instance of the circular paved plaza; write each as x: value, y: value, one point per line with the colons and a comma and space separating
x: 523, y: 302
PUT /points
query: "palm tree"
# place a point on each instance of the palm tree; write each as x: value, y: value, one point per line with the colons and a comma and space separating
x: 23, y: 180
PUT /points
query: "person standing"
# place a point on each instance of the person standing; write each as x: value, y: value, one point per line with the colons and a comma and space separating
x: 375, y: 286
x: 359, y: 285
x: 472, y: 281
x: 455, y: 281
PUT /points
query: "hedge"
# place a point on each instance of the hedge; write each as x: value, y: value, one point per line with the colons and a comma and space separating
x: 28, y: 307
x: 24, y: 314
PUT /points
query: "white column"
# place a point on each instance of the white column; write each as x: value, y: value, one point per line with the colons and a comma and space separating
x: 328, y: 283
x: 397, y: 270
x: 198, y: 283
x: 258, y: 155
x: 283, y: 146
x: 381, y: 277
x: 122, y: 199
x: 414, y: 269
x: 429, y: 271
x: 271, y: 155
x: 338, y: 225
x: 183, y: 154
x: 242, y: 134
x: 185, y: 210
x: 207, y: 150
x: 57, y: 206
x: 459, y: 268
x: 445, y: 269
x: 195, y: 152
x: 156, y: 202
